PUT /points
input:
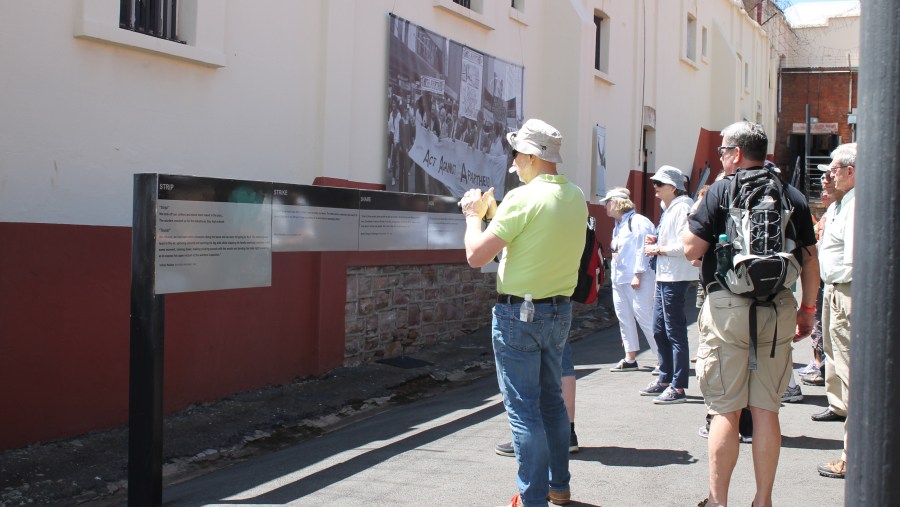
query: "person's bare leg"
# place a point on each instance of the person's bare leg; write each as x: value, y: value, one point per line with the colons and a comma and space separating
x: 818, y: 358
x: 568, y: 393
x: 631, y: 357
x: 766, y: 448
x: 723, y: 453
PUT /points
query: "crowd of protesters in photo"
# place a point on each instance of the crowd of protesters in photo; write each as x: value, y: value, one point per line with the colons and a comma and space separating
x: 411, y: 112
x: 651, y: 269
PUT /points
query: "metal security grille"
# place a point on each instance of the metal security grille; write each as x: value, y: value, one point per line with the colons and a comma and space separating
x: 152, y: 17
x: 464, y: 3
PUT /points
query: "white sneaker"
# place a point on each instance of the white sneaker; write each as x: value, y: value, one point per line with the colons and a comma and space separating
x: 811, y: 367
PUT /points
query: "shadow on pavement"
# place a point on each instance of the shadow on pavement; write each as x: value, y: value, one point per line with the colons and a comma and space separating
x: 805, y: 442
x: 632, y: 457
x: 228, y: 482
x: 819, y: 400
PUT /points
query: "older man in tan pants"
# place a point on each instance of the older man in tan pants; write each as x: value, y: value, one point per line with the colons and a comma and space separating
x: 836, y: 265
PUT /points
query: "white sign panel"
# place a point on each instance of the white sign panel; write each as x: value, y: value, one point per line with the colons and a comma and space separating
x: 446, y: 223
x: 470, y: 84
x: 600, y: 161
x: 307, y: 218
x: 212, y: 234
x: 815, y: 128
x: 433, y: 85
x: 389, y: 221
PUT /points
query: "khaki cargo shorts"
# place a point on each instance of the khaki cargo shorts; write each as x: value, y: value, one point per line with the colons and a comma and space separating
x: 723, y: 356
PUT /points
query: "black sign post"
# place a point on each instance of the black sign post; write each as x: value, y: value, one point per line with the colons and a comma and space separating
x: 145, y: 392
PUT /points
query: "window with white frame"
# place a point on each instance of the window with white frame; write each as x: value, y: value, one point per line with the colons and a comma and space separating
x: 601, y: 42
x: 690, y: 48
x: 473, y: 5
x: 192, y: 30
x: 158, y: 18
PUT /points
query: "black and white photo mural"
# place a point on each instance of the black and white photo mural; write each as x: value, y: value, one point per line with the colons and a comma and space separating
x: 449, y: 108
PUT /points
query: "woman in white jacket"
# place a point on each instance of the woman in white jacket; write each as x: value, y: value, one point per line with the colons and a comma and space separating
x: 674, y: 274
x: 633, y: 282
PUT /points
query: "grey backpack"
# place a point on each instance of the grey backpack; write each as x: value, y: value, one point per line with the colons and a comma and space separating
x: 760, y: 249
x: 757, y: 259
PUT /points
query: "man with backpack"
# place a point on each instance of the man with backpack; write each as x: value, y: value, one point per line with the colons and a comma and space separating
x: 753, y: 234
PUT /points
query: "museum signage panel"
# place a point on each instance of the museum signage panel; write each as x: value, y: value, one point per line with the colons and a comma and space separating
x: 392, y: 221
x: 446, y: 224
x: 212, y: 234
x: 308, y: 218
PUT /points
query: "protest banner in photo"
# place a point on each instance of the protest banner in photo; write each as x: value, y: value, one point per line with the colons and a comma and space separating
x: 449, y: 108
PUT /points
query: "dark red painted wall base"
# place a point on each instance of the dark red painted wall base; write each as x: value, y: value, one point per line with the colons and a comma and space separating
x: 64, y: 328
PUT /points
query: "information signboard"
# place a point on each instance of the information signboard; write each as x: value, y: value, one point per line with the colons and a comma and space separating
x: 307, y: 218
x: 392, y: 221
x: 212, y: 234
x: 446, y: 224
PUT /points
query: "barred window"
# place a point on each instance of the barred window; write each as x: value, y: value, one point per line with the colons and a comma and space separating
x: 464, y: 3
x: 157, y: 18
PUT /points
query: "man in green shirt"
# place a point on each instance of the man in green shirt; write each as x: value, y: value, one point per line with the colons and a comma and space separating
x: 541, y: 225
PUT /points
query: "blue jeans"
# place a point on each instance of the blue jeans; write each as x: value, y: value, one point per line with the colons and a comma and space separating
x: 670, y: 333
x: 568, y: 366
x: 529, y: 367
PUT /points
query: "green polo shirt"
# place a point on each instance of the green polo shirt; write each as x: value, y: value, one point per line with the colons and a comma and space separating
x: 543, y: 225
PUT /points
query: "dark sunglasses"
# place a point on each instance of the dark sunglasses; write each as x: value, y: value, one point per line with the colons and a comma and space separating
x: 658, y: 183
x: 515, y: 154
x: 723, y: 149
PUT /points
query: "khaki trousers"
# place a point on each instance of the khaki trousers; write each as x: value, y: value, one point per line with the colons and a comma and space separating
x: 836, y: 330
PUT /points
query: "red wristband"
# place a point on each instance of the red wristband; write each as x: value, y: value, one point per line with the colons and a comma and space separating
x: 808, y: 309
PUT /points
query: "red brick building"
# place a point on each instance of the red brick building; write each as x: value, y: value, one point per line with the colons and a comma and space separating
x: 832, y: 97
x: 820, y: 70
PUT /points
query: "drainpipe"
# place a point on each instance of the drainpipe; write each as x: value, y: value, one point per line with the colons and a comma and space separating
x: 849, y: 86
x: 807, y: 140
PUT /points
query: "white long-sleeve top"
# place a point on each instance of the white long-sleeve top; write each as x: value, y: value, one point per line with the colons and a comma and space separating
x: 671, y: 264
x: 836, y: 248
x: 628, y: 248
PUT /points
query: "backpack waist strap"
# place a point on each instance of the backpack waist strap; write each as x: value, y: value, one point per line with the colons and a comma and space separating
x: 754, y: 340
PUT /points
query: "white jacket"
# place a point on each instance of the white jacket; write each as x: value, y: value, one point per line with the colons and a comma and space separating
x: 628, y: 248
x: 672, y: 265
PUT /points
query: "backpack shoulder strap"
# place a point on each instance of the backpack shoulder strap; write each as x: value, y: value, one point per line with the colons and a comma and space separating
x: 727, y: 197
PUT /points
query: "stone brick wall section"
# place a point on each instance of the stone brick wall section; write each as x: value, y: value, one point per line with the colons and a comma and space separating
x: 394, y: 310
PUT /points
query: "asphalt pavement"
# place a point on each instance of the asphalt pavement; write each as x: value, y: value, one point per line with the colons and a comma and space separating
x: 439, y: 450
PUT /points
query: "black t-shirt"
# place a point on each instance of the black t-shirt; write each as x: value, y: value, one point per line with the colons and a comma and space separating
x: 708, y: 222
